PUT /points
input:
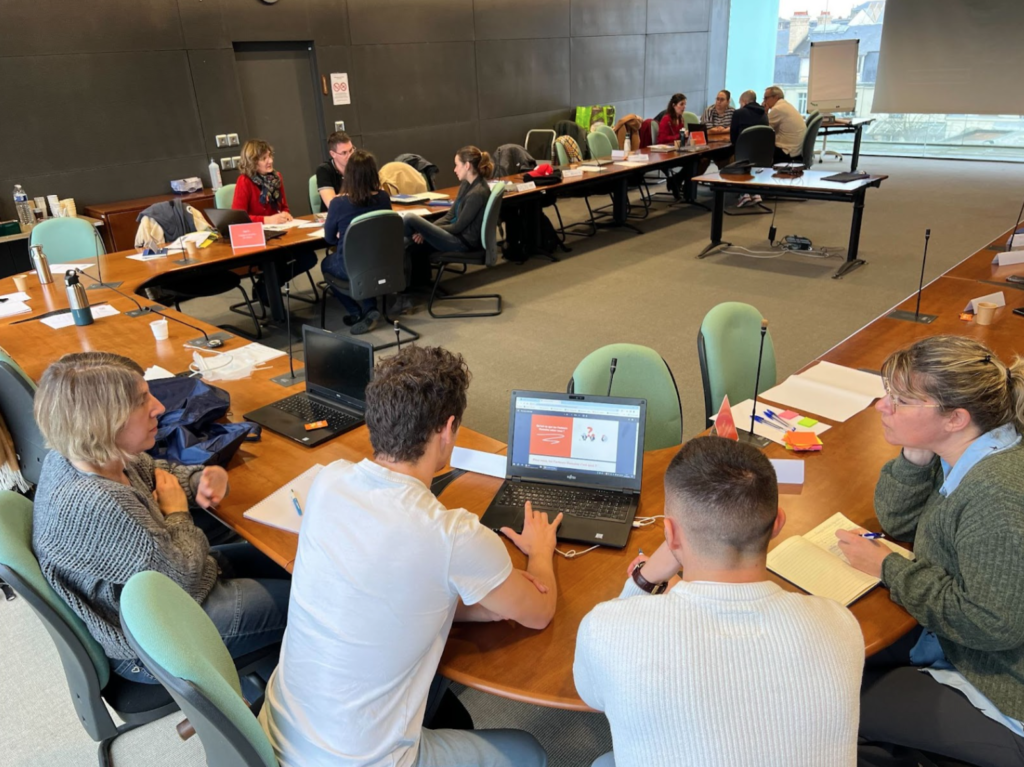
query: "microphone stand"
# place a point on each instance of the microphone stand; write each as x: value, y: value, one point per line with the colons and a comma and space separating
x: 1005, y: 247
x: 99, y: 268
x: 916, y: 316
x: 206, y: 342
x: 292, y: 377
x: 749, y: 436
x: 611, y: 376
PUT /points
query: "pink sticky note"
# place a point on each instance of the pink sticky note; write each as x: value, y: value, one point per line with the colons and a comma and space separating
x: 788, y: 414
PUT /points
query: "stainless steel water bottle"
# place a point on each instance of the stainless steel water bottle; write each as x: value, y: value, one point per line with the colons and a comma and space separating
x: 77, y: 299
x: 41, y: 265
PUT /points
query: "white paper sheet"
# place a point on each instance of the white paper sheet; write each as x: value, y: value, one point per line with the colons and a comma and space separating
x: 311, y: 224
x: 815, y: 397
x: 58, y: 321
x: 257, y: 353
x: 848, y: 379
x: 491, y: 464
x: 1011, y: 257
x: 996, y: 298
x: 788, y: 471
x: 318, y: 233
x: 824, y: 537
x: 56, y: 269
x: 11, y: 308
x: 17, y: 296
x: 156, y: 373
x: 277, y: 509
x: 285, y: 226
x: 631, y: 164
x: 140, y: 257
x: 741, y: 415
x: 415, y: 212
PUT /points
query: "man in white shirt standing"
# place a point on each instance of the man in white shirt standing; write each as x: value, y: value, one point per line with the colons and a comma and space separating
x: 721, y: 667
x: 787, y: 123
x: 383, y: 568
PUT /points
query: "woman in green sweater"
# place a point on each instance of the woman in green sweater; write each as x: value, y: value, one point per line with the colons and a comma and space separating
x: 957, y: 492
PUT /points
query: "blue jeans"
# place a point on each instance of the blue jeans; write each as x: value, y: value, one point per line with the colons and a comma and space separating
x: 334, y: 265
x: 248, y: 605
x: 436, y: 237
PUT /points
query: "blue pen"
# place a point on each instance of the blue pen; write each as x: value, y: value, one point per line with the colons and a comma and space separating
x: 295, y: 502
x: 779, y: 419
x: 766, y: 422
x: 872, y: 536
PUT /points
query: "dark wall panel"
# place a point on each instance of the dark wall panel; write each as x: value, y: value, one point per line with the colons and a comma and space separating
x: 203, y: 24
x: 438, y: 144
x: 252, y: 21
x: 92, y: 110
x: 410, y: 21
x: 676, y: 63
x: 609, y: 17
x: 512, y: 130
x: 607, y: 69
x: 60, y: 27
x: 521, y: 76
x: 329, y: 21
x: 218, y: 97
x: 677, y: 16
x: 632, y: 106
x: 338, y: 58
x: 410, y: 85
x: 521, y: 19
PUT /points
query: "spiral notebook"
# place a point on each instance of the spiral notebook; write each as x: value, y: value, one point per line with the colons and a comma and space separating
x: 277, y: 509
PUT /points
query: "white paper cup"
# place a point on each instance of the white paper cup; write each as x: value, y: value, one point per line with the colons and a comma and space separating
x: 21, y: 282
x: 159, y: 328
x: 191, y: 249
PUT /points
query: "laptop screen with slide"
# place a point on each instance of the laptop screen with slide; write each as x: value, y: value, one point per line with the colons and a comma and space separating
x: 337, y: 368
x: 576, y: 439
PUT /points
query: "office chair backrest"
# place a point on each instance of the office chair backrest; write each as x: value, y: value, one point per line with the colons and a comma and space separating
x: 489, y: 231
x: 654, y: 131
x: 17, y: 393
x: 540, y: 144
x: 811, y: 116
x: 67, y: 240
x: 224, y: 196
x: 756, y: 144
x: 640, y: 372
x: 180, y: 646
x: 727, y: 348
x: 85, y: 666
x: 599, y: 144
x: 609, y: 133
x: 375, y: 254
x: 315, y: 203
x: 691, y: 118
x: 810, y: 136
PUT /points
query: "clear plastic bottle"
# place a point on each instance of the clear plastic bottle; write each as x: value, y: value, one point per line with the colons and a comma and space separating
x: 26, y: 216
x: 627, y: 145
x: 215, y: 179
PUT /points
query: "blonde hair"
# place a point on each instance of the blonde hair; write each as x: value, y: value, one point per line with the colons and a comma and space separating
x: 251, y: 153
x: 959, y: 372
x: 83, y: 402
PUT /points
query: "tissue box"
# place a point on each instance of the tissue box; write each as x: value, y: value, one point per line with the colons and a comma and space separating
x: 186, y: 185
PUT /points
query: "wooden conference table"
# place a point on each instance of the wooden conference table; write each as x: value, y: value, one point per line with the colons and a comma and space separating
x: 505, y: 659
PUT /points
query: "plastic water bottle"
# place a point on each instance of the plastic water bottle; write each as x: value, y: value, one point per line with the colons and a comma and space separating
x: 215, y: 180
x: 627, y: 145
x: 26, y: 216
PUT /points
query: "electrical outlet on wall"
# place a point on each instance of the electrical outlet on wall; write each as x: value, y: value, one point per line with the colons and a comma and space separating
x: 235, y: 162
x: 225, y: 163
x: 222, y: 140
x: 232, y: 139
x: 339, y: 125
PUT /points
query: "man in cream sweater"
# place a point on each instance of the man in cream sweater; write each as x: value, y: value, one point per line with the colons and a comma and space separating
x: 787, y: 123
x: 721, y: 667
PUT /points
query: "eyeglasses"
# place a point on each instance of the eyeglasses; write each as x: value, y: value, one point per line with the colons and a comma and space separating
x: 895, y: 403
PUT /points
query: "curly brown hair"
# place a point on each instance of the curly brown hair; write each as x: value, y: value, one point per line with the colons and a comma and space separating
x: 411, y: 398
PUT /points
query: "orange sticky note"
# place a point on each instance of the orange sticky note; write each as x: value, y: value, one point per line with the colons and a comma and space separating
x: 802, y: 440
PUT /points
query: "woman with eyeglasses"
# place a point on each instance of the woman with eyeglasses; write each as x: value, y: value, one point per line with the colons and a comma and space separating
x: 956, y: 491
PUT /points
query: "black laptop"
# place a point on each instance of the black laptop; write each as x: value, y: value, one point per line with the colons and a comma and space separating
x: 573, y: 453
x: 223, y: 220
x: 338, y: 368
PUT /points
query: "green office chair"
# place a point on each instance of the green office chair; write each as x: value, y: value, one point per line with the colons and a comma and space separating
x: 223, y: 197
x: 727, y: 347
x: 374, y: 251
x: 640, y: 372
x: 180, y: 646
x: 17, y: 392
x: 315, y: 203
x: 600, y: 146
x: 486, y: 257
x: 90, y: 682
x: 563, y: 228
x: 609, y: 133
x: 690, y: 118
x: 811, y: 116
x: 810, y: 137
x: 67, y: 240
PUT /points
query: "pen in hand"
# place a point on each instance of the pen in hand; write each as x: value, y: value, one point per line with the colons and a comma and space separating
x: 295, y: 502
x: 872, y: 536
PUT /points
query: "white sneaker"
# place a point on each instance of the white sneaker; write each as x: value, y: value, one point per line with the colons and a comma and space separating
x: 756, y: 199
x: 746, y: 200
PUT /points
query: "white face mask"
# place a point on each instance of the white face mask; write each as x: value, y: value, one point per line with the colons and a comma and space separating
x: 224, y: 366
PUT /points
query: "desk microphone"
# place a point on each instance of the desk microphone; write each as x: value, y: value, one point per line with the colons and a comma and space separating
x: 207, y: 342
x: 291, y: 378
x: 611, y: 377
x: 923, y: 319
x: 752, y: 438
x: 398, y: 337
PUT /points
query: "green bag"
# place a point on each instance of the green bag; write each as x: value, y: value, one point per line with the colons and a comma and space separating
x: 587, y: 116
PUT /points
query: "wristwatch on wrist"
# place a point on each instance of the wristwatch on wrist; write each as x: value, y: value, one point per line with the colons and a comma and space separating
x: 646, y: 585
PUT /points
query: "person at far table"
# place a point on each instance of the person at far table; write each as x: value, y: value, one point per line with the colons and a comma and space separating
x: 720, y: 667
x: 382, y: 570
x: 787, y: 123
x: 718, y: 116
x: 360, y: 193
x: 331, y: 174
x: 748, y: 115
x: 105, y: 510
x: 672, y: 128
x: 956, y: 490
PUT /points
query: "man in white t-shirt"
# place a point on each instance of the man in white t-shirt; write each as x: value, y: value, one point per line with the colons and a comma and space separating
x: 787, y: 123
x: 382, y: 570
x: 720, y: 668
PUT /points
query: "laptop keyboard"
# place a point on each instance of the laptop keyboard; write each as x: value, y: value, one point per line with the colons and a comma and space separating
x: 576, y: 502
x: 308, y: 410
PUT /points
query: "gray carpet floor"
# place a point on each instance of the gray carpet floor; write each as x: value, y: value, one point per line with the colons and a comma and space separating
x: 615, y: 287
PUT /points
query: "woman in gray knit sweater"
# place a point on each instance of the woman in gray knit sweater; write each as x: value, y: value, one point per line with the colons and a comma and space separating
x: 105, y: 510
x: 957, y: 492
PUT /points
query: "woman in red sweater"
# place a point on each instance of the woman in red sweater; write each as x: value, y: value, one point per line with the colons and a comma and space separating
x: 672, y: 128
x: 259, y: 190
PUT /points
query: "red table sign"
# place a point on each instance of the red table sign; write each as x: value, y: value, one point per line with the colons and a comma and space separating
x: 247, y: 236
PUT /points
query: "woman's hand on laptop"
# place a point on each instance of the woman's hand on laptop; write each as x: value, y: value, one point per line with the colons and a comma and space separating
x: 538, y: 538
